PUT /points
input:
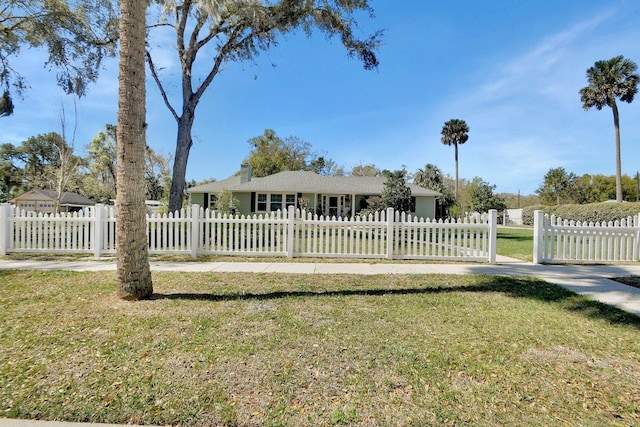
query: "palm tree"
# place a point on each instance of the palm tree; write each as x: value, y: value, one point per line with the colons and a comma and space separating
x: 134, y: 275
x: 455, y: 132
x: 608, y: 80
x: 431, y: 177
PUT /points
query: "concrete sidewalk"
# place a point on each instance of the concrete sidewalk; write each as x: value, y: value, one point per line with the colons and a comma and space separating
x: 592, y: 281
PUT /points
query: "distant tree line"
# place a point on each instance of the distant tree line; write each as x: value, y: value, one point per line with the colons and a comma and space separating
x: 49, y: 162
x: 561, y: 187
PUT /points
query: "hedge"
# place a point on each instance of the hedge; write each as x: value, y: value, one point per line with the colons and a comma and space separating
x: 593, y: 212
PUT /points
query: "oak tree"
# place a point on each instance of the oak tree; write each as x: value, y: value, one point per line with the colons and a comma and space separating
x: 76, y: 35
x: 238, y: 30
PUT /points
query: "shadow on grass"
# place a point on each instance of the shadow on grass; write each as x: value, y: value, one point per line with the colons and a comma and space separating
x: 516, y: 288
x: 514, y: 238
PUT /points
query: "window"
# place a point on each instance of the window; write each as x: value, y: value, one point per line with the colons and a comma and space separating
x: 276, y: 202
x: 273, y: 202
x: 212, y: 201
x: 333, y: 205
x: 261, y: 204
x: 291, y: 200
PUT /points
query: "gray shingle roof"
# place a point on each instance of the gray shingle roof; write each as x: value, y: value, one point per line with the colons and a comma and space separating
x: 68, y: 198
x: 216, y: 186
x: 306, y: 182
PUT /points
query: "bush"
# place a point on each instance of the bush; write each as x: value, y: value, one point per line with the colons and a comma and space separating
x: 593, y: 212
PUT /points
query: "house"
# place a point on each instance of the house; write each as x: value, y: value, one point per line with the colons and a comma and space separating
x: 45, y: 200
x: 325, y: 195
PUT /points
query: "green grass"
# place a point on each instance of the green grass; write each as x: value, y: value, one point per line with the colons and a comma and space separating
x: 515, y: 243
x: 268, y: 349
x: 512, y: 242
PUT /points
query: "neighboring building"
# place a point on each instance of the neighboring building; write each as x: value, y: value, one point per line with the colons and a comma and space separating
x: 153, y: 206
x: 325, y: 195
x: 45, y: 201
x: 513, y: 217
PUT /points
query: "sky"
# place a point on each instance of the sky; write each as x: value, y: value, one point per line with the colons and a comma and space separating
x: 511, y: 69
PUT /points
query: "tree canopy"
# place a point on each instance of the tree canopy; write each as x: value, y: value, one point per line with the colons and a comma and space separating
x: 239, y: 30
x: 557, y: 186
x: 48, y: 162
x: 365, y: 170
x: 562, y: 187
x: 271, y: 154
x: 76, y: 34
x: 431, y: 177
x: 41, y: 162
x: 482, y: 197
x: 455, y: 132
x: 396, y: 193
x: 608, y: 80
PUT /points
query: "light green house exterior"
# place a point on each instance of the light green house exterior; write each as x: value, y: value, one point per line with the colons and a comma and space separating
x: 325, y: 195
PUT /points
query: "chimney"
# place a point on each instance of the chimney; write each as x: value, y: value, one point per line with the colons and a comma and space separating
x: 245, y: 173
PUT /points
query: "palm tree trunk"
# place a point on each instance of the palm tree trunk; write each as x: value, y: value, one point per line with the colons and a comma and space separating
x: 456, y: 187
x: 616, y: 125
x: 134, y: 275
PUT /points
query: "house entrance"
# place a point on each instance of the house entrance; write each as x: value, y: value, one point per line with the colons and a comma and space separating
x: 335, y: 205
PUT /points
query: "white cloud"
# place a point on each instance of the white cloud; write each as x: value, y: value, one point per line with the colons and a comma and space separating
x: 525, y: 114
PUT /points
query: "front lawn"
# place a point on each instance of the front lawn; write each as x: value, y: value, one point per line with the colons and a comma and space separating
x: 515, y: 243
x: 269, y: 349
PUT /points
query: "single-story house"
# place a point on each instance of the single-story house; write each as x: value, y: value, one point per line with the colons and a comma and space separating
x: 325, y: 195
x: 44, y: 201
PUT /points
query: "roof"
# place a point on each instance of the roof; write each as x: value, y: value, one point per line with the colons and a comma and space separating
x: 306, y: 182
x: 68, y: 198
x: 216, y: 186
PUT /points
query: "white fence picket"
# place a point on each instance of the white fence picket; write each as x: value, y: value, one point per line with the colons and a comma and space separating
x: 292, y: 233
x: 560, y: 241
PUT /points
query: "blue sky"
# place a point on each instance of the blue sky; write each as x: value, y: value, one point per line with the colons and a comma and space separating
x: 511, y: 70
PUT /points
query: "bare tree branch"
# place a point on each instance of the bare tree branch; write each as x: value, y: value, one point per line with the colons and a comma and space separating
x: 154, y: 73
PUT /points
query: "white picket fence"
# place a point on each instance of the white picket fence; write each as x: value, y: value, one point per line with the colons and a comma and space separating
x: 558, y: 240
x: 196, y: 231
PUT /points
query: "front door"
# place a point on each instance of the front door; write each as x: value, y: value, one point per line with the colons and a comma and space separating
x: 333, y: 205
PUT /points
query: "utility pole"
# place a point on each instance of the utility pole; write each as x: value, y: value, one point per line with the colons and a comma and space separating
x: 637, y: 186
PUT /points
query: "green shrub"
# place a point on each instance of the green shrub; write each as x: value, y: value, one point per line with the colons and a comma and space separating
x: 593, y: 212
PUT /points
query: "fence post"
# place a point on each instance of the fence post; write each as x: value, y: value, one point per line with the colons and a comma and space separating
x: 493, y: 232
x: 390, y: 235
x: 538, y: 234
x: 291, y: 216
x: 195, y: 230
x: 636, y: 248
x: 98, y: 230
x: 5, y: 229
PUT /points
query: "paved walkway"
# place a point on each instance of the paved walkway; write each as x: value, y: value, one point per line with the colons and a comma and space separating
x: 592, y: 281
